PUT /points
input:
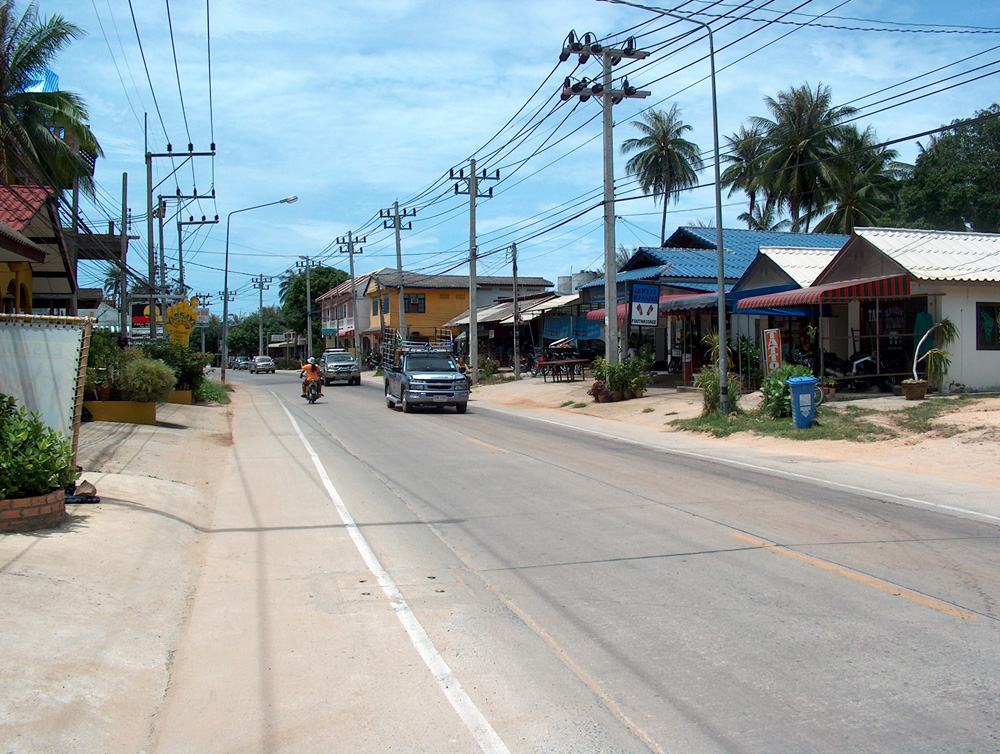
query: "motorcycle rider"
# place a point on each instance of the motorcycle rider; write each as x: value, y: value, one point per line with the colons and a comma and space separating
x: 311, y: 373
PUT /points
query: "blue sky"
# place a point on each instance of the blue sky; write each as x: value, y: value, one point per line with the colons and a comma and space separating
x: 354, y: 105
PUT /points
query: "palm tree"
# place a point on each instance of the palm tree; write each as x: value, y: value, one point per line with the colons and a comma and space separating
x: 764, y: 217
x: 864, y: 183
x: 288, y: 278
x: 804, y: 133
x: 44, y: 137
x: 665, y: 163
x: 745, y: 154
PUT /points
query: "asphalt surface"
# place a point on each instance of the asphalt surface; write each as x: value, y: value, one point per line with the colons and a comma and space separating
x: 341, y: 577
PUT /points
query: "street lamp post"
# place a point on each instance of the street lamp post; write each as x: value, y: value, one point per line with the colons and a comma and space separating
x: 225, y: 279
x: 719, y: 251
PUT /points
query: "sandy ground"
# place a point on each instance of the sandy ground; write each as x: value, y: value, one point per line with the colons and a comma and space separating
x: 968, y: 455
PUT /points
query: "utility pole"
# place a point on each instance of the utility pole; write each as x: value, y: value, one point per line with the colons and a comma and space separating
x: 307, y: 265
x: 585, y: 89
x: 517, y: 314
x: 261, y: 283
x: 183, y: 157
x: 472, y: 189
x: 122, y: 272
x: 181, y: 224
x: 203, y: 301
x: 394, y: 216
x: 347, y: 246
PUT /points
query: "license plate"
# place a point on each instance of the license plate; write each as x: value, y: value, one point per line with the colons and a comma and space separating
x: 440, y: 398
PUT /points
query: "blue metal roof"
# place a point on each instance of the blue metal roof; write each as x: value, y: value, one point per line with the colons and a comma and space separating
x: 641, y: 273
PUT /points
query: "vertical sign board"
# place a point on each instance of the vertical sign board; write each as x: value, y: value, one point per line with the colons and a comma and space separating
x: 645, y: 304
x: 42, y: 365
x: 772, y: 350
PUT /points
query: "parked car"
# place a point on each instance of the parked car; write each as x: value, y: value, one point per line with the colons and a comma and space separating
x: 338, y: 364
x: 241, y: 362
x: 262, y: 364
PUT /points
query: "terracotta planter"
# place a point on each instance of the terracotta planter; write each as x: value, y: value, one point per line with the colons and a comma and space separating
x: 103, y: 392
x: 601, y: 398
x: 914, y: 390
x: 626, y: 395
x: 129, y: 412
x: 31, y: 513
x: 616, y: 395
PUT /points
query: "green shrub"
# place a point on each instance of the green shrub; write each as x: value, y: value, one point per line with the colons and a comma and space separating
x: 148, y: 380
x: 34, y: 459
x: 599, y: 368
x: 617, y: 377
x: 488, y: 368
x: 212, y: 392
x: 188, y: 364
x: 777, y: 397
x: 708, y: 381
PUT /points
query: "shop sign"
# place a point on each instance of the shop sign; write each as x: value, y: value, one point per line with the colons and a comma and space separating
x: 772, y: 350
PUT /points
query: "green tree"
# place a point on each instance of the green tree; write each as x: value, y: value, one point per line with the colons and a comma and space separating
x: 764, y: 217
x: 666, y: 163
x: 321, y: 280
x: 955, y: 185
x: 801, y: 136
x: 44, y: 136
x: 745, y: 155
x: 863, y: 183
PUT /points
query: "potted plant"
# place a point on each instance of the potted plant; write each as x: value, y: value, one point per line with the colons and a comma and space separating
x: 829, y: 386
x: 637, y: 377
x: 143, y: 383
x: 617, y: 379
x: 936, y: 360
x: 599, y: 390
x: 36, y: 465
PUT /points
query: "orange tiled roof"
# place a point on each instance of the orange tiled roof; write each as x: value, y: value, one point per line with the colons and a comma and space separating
x: 19, y: 204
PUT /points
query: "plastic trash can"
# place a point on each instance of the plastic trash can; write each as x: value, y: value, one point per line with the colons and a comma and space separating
x: 803, y: 400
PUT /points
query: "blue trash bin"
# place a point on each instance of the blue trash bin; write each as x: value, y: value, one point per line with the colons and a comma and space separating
x: 803, y: 400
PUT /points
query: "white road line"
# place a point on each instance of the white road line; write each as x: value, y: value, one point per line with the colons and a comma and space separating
x: 474, y: 720
x: 756, y: 467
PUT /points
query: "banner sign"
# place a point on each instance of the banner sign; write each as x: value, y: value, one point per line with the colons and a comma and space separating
x: 645, y: 304
x: 772, y: 350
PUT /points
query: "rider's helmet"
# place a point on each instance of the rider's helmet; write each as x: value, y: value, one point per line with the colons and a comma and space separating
x: 312, y: 360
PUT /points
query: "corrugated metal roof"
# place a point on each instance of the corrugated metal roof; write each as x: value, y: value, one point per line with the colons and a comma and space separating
x: 803, y: 265
x: 939, y: 254
x: 388, y: 278
x: 744, y: 244
x: 534, y: 309
x: 643, y: 273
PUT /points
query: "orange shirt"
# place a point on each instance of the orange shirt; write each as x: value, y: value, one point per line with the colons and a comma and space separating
x: 312, y: 371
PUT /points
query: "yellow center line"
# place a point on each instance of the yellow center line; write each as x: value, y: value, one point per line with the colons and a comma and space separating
x: 860, y: 578
x: 487, y: 445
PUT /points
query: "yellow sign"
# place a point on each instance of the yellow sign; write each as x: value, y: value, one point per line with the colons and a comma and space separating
x: 182, y: 318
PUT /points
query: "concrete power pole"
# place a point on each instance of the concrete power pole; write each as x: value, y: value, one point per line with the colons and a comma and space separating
x: 307, y: 264
x: 584, y: 89
x: 517, y: 315
x: 391, y: 219
x: 347, y: 246
x: 261, y: 284
x: 123, y: 272
x: 473, y: 192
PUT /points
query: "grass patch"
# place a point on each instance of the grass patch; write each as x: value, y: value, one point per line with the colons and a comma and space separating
x: 648, y: 410
x: 210, y: 391
x: 567, y: 403
x: 579, y: 405
x: 851, y: 424
x: 920, y: 417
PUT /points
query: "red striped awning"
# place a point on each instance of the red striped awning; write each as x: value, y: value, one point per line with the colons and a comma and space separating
x: 891, y: 286
x: 598, y: 314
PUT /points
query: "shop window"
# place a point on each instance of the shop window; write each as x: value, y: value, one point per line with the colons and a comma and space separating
x: 374, y: 307
x: 988, y: 326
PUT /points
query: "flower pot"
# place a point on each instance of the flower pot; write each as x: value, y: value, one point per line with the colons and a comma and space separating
x: 914, y: 390
x: 616, y: 395
x: 183, y: 397
x: 626, y: 395
x: 602, y: 398
x: 130, y: 412
x: 103, y: 392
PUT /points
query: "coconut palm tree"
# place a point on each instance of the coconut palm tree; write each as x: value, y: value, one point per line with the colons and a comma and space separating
x: 745, y: 154
x: 44, y: 137
x: 764, y: 217
x: 863, y: 183
x: 666, y: 163
x: 803, y: 134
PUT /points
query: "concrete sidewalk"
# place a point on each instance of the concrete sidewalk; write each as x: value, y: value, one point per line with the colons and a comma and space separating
x: 94, y: 608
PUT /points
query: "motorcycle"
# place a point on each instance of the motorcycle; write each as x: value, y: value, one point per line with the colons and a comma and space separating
x: 373, y: 360
x: 858, y: 374
x: 312, y: 391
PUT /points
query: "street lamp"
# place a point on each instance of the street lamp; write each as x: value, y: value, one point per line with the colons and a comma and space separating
x: 719, y: 251
x: 225, y: 279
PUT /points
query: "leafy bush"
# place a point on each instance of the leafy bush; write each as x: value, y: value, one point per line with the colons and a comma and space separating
x: 617, y: 377
x: 708, y: 381
x: 488, y: 368
x: 148, y: 380
x: 750, y: 360
x: 188, y: 364
x: 777, y: 395
x: 34, y: 459
x: 212, y: 392
x: 599, y: 390
x: 599, y: 367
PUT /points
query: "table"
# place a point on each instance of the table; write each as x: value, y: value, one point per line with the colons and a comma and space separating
x: 563, y: 369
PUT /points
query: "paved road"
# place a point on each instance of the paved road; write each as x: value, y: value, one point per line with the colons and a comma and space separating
x: 367, y: 580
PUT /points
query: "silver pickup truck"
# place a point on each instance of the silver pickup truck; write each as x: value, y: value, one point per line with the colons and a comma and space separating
x: 425, y: 377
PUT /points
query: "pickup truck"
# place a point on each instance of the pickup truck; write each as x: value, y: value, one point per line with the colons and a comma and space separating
x: 425, y: 377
